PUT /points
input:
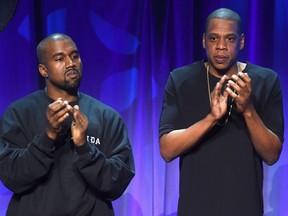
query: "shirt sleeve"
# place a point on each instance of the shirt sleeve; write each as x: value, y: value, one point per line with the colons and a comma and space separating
x: 108, y: 170
x: 22, y: 161
x: 272, y: 114
x: 169, y: 118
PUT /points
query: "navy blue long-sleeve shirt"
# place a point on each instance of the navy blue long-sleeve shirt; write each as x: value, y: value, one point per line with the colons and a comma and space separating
x: 54, y: 177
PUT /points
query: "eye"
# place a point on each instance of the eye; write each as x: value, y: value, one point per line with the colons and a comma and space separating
x: 75, y: 56
x: 231, y: 39
x: 212, y: 38
x: 59, y: 59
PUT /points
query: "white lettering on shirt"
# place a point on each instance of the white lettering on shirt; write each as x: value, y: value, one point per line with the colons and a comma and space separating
x: 93, y: 140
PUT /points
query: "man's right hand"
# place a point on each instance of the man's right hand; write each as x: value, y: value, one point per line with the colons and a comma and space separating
x: 56, y: 113
x: 219, y: 99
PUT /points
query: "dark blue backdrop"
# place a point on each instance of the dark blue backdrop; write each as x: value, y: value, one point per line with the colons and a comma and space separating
x: 128, y: 48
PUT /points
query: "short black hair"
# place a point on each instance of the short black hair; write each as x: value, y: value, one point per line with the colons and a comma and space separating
x: 225, y: 13
x: 42, y: 44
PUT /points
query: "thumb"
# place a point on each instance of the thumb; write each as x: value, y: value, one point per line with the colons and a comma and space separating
x: 76, y: 107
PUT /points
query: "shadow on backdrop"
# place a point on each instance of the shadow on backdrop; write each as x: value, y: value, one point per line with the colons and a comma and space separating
x: 277, y: 194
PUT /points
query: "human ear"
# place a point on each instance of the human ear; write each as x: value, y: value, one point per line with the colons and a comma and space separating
x: 203, y: 41
x: 43, y: 70
x: 242, y: 41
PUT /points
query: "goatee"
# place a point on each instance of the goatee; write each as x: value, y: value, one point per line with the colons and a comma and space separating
x: 72, y: 87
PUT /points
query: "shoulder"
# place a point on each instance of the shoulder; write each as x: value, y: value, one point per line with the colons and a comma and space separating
x: 34, y: 98
x: 187, y: 70
x: 24, y: 109
x: 100, y: 114
x: 263, y: 78
x: 190, y: 72
x: 259, y: 71
x: 87, y: 102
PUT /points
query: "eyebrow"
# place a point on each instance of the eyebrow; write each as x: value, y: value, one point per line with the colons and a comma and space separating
x: 62, y: 54
x: 57, y: 54
x: 226, y: 35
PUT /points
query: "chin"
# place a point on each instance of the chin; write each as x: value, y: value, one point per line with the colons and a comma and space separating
x: 222, y: 66
x: 74, y: 85
x: 72, y: 89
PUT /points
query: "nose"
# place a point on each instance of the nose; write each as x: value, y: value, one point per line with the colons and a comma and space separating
x: 70, y: 62
x: 222, y: 44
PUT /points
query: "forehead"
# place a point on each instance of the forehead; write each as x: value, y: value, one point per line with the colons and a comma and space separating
x: 64, y: 46
x: 219, y: 26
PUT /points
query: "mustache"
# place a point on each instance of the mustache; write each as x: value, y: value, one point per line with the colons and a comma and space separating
x: 73, y: 70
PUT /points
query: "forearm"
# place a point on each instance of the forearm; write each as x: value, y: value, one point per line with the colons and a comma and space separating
x: 22, y: 168
x: 109, y: 176
x: 266, y: 143
x: 179, y: 141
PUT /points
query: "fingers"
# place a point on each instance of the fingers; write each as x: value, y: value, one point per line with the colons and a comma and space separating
x: 58, y: 110
x: 219, y: 98
x: 79, y: 126
x: 241, y: 79
x: 220, y: 87
x: 56, y: 113
x: 245, y: 77
x: 76, y: 107
x: 79, y: 117
x: 239, y: 85
x: 240, y: 89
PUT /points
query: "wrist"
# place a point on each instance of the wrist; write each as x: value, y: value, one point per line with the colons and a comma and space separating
x: 78, y: 142
x: 212, y: 119
x: 248, y: 112
x: 51, y: 134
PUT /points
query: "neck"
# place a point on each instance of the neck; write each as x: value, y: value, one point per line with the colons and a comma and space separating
x: 238, y: 66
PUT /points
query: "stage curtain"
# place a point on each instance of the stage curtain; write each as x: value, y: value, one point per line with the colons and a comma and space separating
x: 128, y: 48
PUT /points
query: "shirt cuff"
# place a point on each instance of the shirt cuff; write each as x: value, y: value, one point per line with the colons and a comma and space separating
x: 83, y: 149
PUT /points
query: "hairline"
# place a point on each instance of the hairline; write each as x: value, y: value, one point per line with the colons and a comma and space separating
x: 226, y: 14
x: 43, y: 44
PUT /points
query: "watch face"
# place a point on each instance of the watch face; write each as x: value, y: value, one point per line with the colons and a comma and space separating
x: 7, y: 10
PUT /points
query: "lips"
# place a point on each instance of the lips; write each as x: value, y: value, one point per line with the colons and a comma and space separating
x: 72, y: 74
x: 220, y: 59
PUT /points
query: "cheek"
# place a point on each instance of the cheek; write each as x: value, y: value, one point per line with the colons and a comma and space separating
x: 234, y: 49
x: 210, y: 46
x: 57, y: 72
x: 210, y: 49
x: 79, y: 66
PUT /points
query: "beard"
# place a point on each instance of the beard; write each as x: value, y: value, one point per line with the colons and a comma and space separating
x: 72, y: 86
x: 69, y: 84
